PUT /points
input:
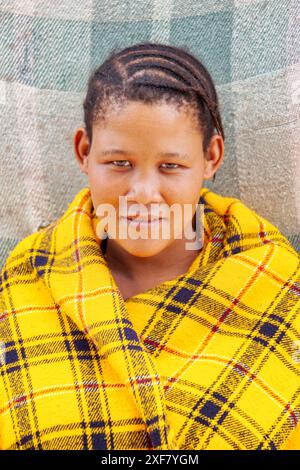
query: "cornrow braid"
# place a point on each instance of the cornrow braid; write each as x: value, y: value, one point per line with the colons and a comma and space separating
x: 151, y: 72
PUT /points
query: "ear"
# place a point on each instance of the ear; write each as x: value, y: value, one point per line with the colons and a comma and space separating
x: 213, y: 158
x: 81, y: 148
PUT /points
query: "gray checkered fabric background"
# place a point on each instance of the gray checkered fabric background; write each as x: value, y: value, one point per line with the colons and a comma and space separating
x: 48, y: 49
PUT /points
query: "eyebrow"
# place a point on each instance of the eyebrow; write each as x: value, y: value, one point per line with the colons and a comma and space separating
x: 162, y: 154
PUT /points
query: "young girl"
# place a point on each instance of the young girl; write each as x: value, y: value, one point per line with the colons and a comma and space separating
x: 113, y: 342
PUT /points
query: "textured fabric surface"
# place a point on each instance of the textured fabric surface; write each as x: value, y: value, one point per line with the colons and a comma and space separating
x: 48, y: 49
x: 203, y: 361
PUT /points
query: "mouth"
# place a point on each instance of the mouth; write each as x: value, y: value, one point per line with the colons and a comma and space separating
x: 143, y: 221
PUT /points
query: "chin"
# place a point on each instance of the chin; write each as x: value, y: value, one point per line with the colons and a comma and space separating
x: 143, y: 248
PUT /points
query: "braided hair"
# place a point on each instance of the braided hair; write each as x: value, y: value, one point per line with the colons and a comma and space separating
x: 150, y: 73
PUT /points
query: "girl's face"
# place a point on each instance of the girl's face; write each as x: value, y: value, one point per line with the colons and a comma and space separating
x: 151, y: 155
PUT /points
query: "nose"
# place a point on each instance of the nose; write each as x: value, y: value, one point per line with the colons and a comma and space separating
x: 144, y: 189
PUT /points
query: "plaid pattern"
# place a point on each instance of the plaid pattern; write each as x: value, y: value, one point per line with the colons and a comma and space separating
x: 48, y: 50
x: 203, y: 361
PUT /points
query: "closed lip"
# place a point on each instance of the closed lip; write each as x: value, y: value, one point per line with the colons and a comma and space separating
x: 142, y: 219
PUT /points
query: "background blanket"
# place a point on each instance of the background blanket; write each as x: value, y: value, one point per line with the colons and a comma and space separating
x: 48, y: 49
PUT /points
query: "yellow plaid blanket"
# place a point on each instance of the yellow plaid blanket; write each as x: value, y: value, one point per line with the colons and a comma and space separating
x: 209, y: 360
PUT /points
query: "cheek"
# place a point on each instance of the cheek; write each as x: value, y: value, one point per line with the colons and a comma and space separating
x: 102, y: 188
x: 188, y: 192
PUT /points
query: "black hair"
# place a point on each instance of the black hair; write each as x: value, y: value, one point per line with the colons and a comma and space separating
x: 151, y: 72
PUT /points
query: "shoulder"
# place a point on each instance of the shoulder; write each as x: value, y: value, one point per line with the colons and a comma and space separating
x: 244, y: 226
x: 20, y: 253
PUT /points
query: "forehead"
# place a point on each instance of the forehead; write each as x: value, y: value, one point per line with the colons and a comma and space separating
x: 138, y: 128
x: 150, y: 130
x: 170, y: 113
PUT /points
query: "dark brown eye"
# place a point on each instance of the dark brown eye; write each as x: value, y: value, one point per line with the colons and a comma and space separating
x: 119, y: 161
x: 172, y: 168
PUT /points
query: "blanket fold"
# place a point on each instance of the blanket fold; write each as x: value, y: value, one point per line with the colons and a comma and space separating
x: 208, y: 360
